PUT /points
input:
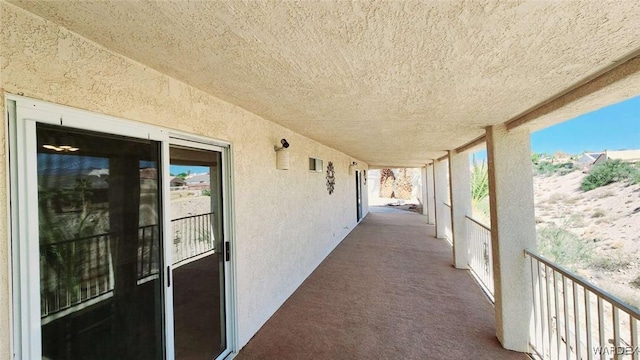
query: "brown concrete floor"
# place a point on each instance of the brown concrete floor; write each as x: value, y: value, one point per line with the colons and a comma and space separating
x: 388, y: 291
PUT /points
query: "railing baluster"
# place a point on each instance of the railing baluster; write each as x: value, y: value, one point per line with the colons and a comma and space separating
x: 150, y: 256
x: 635, y: 347
x: 81, y: 274
x: 602, y: 342
x: 549, y: 314
x: 587, y: 309
x: 97, y: 271
x: 557, y: 313
x: 542, y: 308
x: 576, y: 321
x: 565, y: 305
x: 535, y: 305
x: 70, y: 260
x: 616, y: 330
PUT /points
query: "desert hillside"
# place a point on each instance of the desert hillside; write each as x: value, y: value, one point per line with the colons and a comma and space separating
x: 594, y: 233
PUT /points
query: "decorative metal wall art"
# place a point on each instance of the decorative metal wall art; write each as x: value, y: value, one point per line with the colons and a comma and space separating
x: 331, y: 177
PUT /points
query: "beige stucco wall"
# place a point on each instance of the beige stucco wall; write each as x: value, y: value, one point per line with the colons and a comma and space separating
x: 286, y: 222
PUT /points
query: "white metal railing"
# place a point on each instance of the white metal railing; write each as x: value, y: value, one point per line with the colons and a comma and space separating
x: 480, y: 254
x: 573, y: 319
x: 74, y: 272
x: 192, y: 237
x: 80, y: 272
x: 448, y: 227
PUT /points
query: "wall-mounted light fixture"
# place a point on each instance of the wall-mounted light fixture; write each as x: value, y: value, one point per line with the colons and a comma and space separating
x: 352, y: 167
x: 282, y: 155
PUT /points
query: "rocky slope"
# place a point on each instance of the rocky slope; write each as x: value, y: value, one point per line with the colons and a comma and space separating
x: 602, y: 225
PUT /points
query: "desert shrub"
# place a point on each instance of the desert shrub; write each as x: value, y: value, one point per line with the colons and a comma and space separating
x: 598, y: 213
x: 556, y: 198
x: 610, y: 262
x: 610, y: 171
x: 479, y: 181
x: 636, y: 282
x: 576, y: 221
x: 547, y: 168
x: 535, y: 158
x: 562, y: 246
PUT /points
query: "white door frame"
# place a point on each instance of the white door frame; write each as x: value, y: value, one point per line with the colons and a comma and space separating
x: 199, y: 144
x: 23, y: 114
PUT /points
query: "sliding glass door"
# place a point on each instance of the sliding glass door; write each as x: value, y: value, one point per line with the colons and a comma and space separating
x: 100, y: 245
x: 119, y: 242
x: 198, y: 258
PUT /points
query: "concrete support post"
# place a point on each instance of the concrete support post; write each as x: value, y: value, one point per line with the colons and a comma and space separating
x: 431, y: 201
x: 460, y: 180
x: 441, y: 197
x: 512, y: 231
x: 424, y: 192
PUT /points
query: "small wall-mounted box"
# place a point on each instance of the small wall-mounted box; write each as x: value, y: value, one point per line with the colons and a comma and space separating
x: 315, y: 165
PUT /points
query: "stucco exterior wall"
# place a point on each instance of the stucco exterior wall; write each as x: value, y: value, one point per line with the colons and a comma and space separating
x: 286, y: 222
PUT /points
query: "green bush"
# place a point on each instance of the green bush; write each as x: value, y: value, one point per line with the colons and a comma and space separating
x: 547, y: 168
x: 562, y: 246
x: 610, y: 171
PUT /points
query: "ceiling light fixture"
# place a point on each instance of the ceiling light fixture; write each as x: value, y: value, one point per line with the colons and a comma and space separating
x: 61, y: 148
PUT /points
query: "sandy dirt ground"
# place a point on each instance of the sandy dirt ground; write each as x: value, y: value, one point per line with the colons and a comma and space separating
x: 413, y: 205
x: 607, y: 218
x: 189, y: 206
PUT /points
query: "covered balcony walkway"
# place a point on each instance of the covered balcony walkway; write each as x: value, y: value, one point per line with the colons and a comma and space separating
x: 388, y: 291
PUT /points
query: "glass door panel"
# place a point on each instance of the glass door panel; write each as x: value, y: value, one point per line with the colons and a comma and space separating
x: 358, y: 195
x: 100, y: 244
x: 198, y: 271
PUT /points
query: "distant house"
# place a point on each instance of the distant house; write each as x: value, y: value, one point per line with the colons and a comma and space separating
x: 587, y: 159
x: 198, y: 182
x: 632, y: 156
x: 177, y: 183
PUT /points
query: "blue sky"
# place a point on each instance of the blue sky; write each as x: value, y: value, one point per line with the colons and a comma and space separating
x: 177, y: 169
x: 615, y: 127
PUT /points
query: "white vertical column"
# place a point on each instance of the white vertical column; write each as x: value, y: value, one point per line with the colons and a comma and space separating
x: 460, y: 180
x: 512, y: 231
x: 423, y: 191
x: 441, y: 197
x: 431, y: 201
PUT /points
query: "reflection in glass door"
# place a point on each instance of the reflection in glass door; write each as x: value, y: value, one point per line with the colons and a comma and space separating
x: 100, y: 244
x: 198, y: 259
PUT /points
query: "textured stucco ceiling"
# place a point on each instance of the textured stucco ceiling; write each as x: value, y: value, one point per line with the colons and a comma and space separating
x: 388, y: 82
